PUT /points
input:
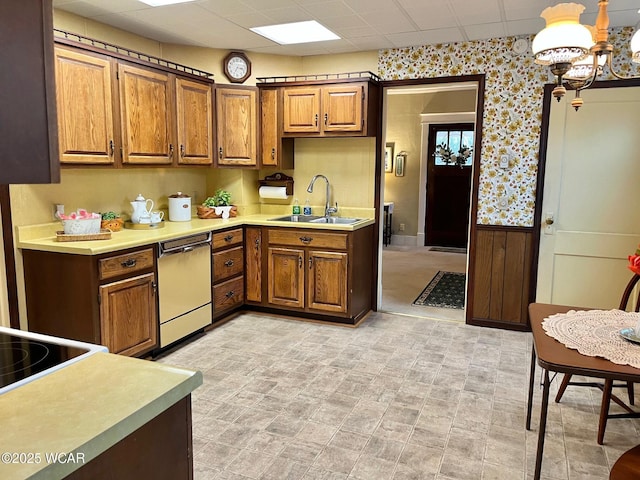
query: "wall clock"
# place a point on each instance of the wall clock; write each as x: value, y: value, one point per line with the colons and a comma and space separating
x: 237, y: 67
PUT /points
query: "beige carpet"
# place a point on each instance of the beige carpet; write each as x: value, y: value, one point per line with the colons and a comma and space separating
x: 405, y: 273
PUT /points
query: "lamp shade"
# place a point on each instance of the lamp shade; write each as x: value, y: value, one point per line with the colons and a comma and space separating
x: 564, y: 39
x: 635, y: 46
x: 583, y: 69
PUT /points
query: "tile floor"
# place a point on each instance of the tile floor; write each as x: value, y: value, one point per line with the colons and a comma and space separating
x: 396, y: 398
x: 406, y: 271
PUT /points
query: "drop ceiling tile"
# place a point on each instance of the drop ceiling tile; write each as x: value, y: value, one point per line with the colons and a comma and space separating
x: 426, y: 19
x: 388, y: 21
x: 484, y: 31
x: 524, y: 27
x: 525, y: 9
x: 322, y: 10
x: 252, y: 19
x: 225, y: 8
x: 426, y: 37
x: 474, y: 12
x: 373, y: 42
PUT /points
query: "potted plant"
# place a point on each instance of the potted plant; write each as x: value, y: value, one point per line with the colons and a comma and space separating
x: 217, y: 206
x: 111, y: 221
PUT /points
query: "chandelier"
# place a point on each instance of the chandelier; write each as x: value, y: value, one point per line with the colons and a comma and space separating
x: 575, y: 53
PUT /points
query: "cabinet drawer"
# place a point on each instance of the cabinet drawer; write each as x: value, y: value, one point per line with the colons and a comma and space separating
x: 125, y: 264
x: 228, y: 294
x: 228, y: 263
x: 227, y: 239
x: 308, y: 238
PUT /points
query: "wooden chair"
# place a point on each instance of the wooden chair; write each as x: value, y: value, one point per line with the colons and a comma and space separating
x: 607, y: 387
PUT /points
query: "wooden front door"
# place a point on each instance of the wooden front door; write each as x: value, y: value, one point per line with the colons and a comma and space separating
x: 448, y: 184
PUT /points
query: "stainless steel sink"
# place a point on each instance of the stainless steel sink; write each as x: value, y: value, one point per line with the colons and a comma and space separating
x: 296, y: 218
x: 336, y: 220
x: 316, y: 219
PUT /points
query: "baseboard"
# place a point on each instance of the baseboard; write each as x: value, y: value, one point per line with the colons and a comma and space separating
x: 404, y: 240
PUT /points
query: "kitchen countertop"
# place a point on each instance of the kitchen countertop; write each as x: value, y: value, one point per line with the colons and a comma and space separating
x: 85, y: 408
x: 42, y: 237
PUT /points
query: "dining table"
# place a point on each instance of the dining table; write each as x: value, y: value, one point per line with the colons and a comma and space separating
x: 554, y: 356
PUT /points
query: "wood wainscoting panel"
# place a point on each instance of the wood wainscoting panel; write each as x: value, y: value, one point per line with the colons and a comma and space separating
x: 502, y: 276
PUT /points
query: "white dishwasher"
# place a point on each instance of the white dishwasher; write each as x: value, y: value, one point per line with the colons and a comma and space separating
x: 184, y: 286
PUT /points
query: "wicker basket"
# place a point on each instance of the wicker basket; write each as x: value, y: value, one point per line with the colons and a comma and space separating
x: 115, y: 224
x: 210, y: 212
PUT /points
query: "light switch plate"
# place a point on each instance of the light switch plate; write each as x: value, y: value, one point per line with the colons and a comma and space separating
x: 503, y: 203
x: 504, y: 161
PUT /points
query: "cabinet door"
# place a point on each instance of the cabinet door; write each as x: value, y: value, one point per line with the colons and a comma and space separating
x: 146, y: 116
x: 275, y: 151
x: 327, y: 281
x: 301, y: 110
x: 128, y: 320
x: 195, y: 116
x: 286, y: 277
x: 237, y: 126
x: 342, y: 108
x: 86, y: 132
x: 253, y: 264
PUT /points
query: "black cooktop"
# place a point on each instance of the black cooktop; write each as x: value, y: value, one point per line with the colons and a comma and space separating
x: 23, y: 357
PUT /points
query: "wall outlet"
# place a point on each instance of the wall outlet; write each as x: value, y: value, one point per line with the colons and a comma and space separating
x: 503, y: 203
x: 504, y: 161
x: 58, y: 210
x: 402, y: 227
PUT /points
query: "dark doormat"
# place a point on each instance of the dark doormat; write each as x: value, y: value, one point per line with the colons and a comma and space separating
x: 448, y: 249
x: 446, y: 289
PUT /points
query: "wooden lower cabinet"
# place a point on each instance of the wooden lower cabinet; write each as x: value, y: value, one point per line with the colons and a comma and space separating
x: 253, y: 264
x: 161, y: 448
x: 228, y: 271
x: 128, y: 315
x: 320, y: 273
x: 107, y: 299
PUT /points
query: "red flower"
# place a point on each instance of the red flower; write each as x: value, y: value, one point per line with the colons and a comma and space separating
x: 634, y: 262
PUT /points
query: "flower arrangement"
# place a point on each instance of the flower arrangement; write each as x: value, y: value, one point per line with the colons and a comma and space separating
x: 112, y: 221
x: 634, y: 262
x: 80, y: 222
x: 447, y: 155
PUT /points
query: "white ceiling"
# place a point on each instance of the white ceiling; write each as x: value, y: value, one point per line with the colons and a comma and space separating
x: 362, y: 24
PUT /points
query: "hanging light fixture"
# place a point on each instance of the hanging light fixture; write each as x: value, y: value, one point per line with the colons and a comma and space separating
x: 577, y: 53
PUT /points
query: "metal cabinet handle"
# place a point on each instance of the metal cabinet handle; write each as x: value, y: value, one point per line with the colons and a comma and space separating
x: 228, y: 263
x: 171, y: 150
x: 220, y: 153
x: 316, y: 119
x: 182, y: 151
x: 111, y: 148
x: 310, y: 263
x: 228, y: 238
x: 257, y: 244
x: 299, y: 262
x: 273, y: 154
x: 326, y: 118
x: 306, y: 240
x: 230, y: 294
x: 129, y: 262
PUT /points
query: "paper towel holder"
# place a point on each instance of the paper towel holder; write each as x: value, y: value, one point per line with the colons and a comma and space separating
x: 278, y: 180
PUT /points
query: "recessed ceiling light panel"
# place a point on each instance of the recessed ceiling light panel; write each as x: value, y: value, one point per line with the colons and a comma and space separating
x: 298, y: 32
x: 162, y: 3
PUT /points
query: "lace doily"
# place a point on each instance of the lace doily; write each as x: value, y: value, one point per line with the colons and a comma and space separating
x: 596, y: 333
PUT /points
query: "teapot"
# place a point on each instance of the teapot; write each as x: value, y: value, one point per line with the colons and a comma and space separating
x: 141, y: 208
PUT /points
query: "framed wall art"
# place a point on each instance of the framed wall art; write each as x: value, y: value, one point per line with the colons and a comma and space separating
x: 388, y: 157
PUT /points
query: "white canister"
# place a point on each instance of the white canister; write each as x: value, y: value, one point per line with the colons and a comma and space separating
x: 179, y: 207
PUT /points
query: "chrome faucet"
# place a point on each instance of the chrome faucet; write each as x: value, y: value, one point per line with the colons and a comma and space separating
x: 327, y: 209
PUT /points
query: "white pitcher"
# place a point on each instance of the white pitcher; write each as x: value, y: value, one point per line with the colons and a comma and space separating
x: 141, y: 208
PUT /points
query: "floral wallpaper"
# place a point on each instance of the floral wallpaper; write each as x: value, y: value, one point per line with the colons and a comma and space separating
x: 514, y: 87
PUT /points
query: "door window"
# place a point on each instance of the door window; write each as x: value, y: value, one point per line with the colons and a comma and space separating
x: 454, y: 146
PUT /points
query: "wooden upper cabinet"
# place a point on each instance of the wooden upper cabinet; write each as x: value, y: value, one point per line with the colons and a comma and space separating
x: 302, y: 109
x: 237, y: 126
x: 275, y: 151
x: 86, y: 128
x: 327, y: 110
x: 146, y: 113
x: 28, y: 123
x: 194, y: 111
x: 342, y: 108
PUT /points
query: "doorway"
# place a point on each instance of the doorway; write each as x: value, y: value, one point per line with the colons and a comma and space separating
x: 408, y: 264
x: 449, y: 166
